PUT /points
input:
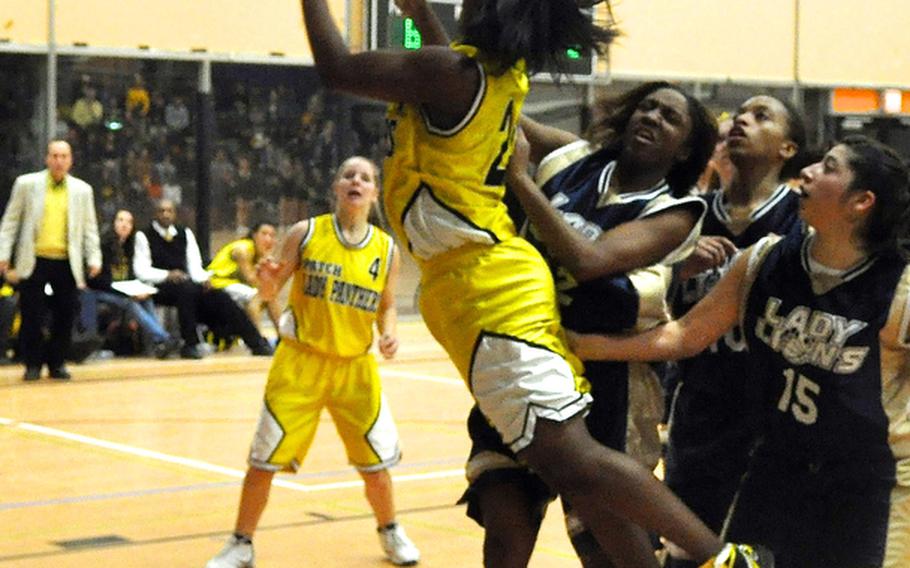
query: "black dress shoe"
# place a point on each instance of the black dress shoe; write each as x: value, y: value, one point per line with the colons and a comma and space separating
x: 191, y: 352
x: 264, y: 349
x: 32, y: 374
x: 164, y: 349
x: 60, y: 373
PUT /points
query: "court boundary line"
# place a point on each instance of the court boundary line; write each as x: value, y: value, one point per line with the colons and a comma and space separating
x: 200, y: 465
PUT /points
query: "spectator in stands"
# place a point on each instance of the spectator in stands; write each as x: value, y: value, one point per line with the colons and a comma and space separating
x: 117, y: 249
x: 166, y: 256
x: 51, y: 227
x: 235, y: 270
x: 177, y: 115
x: 87, y: 111
x: 138, y: 102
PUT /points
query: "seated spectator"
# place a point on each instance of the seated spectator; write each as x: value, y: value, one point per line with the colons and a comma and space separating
x: 117, y: 272
x: 234, y: 270
x: 167, y: 256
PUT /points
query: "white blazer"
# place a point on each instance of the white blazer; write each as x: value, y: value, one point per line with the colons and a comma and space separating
x: 22, y: 221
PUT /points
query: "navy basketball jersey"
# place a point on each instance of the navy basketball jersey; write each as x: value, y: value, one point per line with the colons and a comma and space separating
x: 715, y: 415
x: 582, y: 194
x: 818, y: 340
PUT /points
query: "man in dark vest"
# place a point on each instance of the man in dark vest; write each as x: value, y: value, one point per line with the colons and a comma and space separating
x: 167, y: 257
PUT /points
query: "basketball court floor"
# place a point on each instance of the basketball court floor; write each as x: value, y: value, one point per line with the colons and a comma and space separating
x: 138, y: 462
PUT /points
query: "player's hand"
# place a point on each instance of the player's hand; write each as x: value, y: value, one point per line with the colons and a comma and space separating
x: 4, y: 266
x: 94, y: 271
x: 267, y: 270
x: 710, y: 252
x: 388, y: 345
x: 521, y: 157
x: 12, y: 277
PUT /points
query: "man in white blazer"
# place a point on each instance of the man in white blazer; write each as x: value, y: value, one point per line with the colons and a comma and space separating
x: 49, y: 234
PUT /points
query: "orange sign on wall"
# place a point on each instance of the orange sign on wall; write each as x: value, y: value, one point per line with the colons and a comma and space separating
x: 855, y: 101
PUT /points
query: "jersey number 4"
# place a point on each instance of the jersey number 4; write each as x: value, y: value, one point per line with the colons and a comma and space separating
x: 374, y: 268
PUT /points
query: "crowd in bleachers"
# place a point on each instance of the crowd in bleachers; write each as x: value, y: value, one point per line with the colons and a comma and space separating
x: 133, y: 130
x: 274, y: 148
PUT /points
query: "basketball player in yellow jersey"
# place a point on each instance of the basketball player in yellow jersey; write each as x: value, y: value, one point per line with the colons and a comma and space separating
x: 344, y: 270
x: 235, y: 266
x: 487, y: 295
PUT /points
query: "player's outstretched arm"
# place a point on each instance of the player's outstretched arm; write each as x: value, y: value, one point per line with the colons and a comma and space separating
x: 544, y: 138
x: 273, y: 275
x: 431, y: 30
x: 436, y: 76
x: 700, y: 327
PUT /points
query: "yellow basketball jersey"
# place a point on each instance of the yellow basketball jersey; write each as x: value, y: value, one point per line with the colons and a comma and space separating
x: 336, y: 289
x: 444, y: 187
x: 224, y: 268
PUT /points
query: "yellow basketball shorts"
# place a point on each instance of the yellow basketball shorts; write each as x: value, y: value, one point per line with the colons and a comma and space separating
x: 493, y: 309
x: 301, y: 383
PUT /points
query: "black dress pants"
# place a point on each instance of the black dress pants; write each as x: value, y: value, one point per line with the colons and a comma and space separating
x: 214, y: 308
x: 33, y: 307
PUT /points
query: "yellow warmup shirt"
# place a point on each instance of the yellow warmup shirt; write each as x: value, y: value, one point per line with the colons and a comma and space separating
x: 336, y: 290
x: 225, y: 270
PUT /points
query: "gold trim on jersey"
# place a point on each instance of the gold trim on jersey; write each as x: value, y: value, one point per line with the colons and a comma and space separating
x: 897, y: 546
x: 756, y: 257
x: 895, y: 372
x: 560, y: 159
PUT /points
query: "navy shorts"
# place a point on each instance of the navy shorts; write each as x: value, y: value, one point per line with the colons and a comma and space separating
x: 815, y: 514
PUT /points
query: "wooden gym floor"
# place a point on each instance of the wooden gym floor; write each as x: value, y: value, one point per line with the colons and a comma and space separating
x: 138, y: 462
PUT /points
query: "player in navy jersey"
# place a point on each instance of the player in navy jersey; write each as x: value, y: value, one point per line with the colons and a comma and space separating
x: 715, y: 416
x: 604, y: 210
x: 825, y: 316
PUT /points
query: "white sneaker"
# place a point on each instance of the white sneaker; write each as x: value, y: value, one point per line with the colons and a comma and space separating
x: 235, y: 554
x: 397, y: 546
